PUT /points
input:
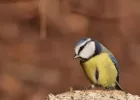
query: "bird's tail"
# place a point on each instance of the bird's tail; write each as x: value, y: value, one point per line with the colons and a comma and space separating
x: 118, y: 87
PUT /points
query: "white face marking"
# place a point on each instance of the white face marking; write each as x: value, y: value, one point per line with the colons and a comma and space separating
x: 88, y: 50
x: 80, y: 45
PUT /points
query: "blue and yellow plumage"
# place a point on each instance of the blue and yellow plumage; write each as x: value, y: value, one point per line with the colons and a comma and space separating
x: 98, y: 63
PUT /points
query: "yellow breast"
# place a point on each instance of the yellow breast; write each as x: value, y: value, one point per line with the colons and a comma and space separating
x: 106, y: 68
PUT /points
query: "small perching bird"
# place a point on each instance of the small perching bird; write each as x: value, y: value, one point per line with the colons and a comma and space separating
x: 98, y: 63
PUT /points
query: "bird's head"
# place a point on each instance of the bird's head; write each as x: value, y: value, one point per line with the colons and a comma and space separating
x: 86, y: 48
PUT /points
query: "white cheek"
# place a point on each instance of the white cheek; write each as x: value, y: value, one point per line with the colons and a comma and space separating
x: 88, y: 51
x: 78, y: 47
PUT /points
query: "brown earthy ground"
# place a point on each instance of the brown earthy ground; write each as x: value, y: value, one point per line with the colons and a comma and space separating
x: 31, y: 67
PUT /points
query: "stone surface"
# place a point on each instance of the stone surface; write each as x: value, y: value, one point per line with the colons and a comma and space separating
x: 93, y: 95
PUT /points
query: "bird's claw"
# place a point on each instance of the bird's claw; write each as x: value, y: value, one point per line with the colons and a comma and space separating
x: 87, y: 88
x: 109, y: 88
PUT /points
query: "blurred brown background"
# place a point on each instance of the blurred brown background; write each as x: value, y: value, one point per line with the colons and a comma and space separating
x: 37, y: 39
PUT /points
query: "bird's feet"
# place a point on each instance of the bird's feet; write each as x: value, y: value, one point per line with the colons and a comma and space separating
x: 109, y: 88
x: 87, y: 88
x: 92, y: 86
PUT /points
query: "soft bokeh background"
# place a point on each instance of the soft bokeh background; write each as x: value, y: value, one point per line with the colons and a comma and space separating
x: 37, y: 39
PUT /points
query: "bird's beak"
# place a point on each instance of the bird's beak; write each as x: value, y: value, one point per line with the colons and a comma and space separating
x: 76, y: 56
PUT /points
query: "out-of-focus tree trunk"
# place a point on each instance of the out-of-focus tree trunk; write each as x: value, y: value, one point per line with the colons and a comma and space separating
x: 43, y: 18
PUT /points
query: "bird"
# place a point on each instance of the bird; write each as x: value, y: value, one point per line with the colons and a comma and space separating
x: 99, y: 64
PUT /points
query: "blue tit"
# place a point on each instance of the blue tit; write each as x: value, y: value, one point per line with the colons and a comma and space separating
x: 98, y: 63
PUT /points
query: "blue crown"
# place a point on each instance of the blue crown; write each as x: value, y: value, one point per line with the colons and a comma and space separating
x: 81, y: 41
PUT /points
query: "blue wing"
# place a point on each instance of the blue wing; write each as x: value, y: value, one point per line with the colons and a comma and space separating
x: 114, y: 60
x: 116, y: 65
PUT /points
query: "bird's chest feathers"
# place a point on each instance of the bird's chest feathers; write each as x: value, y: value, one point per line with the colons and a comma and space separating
x: 103, y: 66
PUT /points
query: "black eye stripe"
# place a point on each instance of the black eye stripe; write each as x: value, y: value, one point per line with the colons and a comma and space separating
x: 82, y: 47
